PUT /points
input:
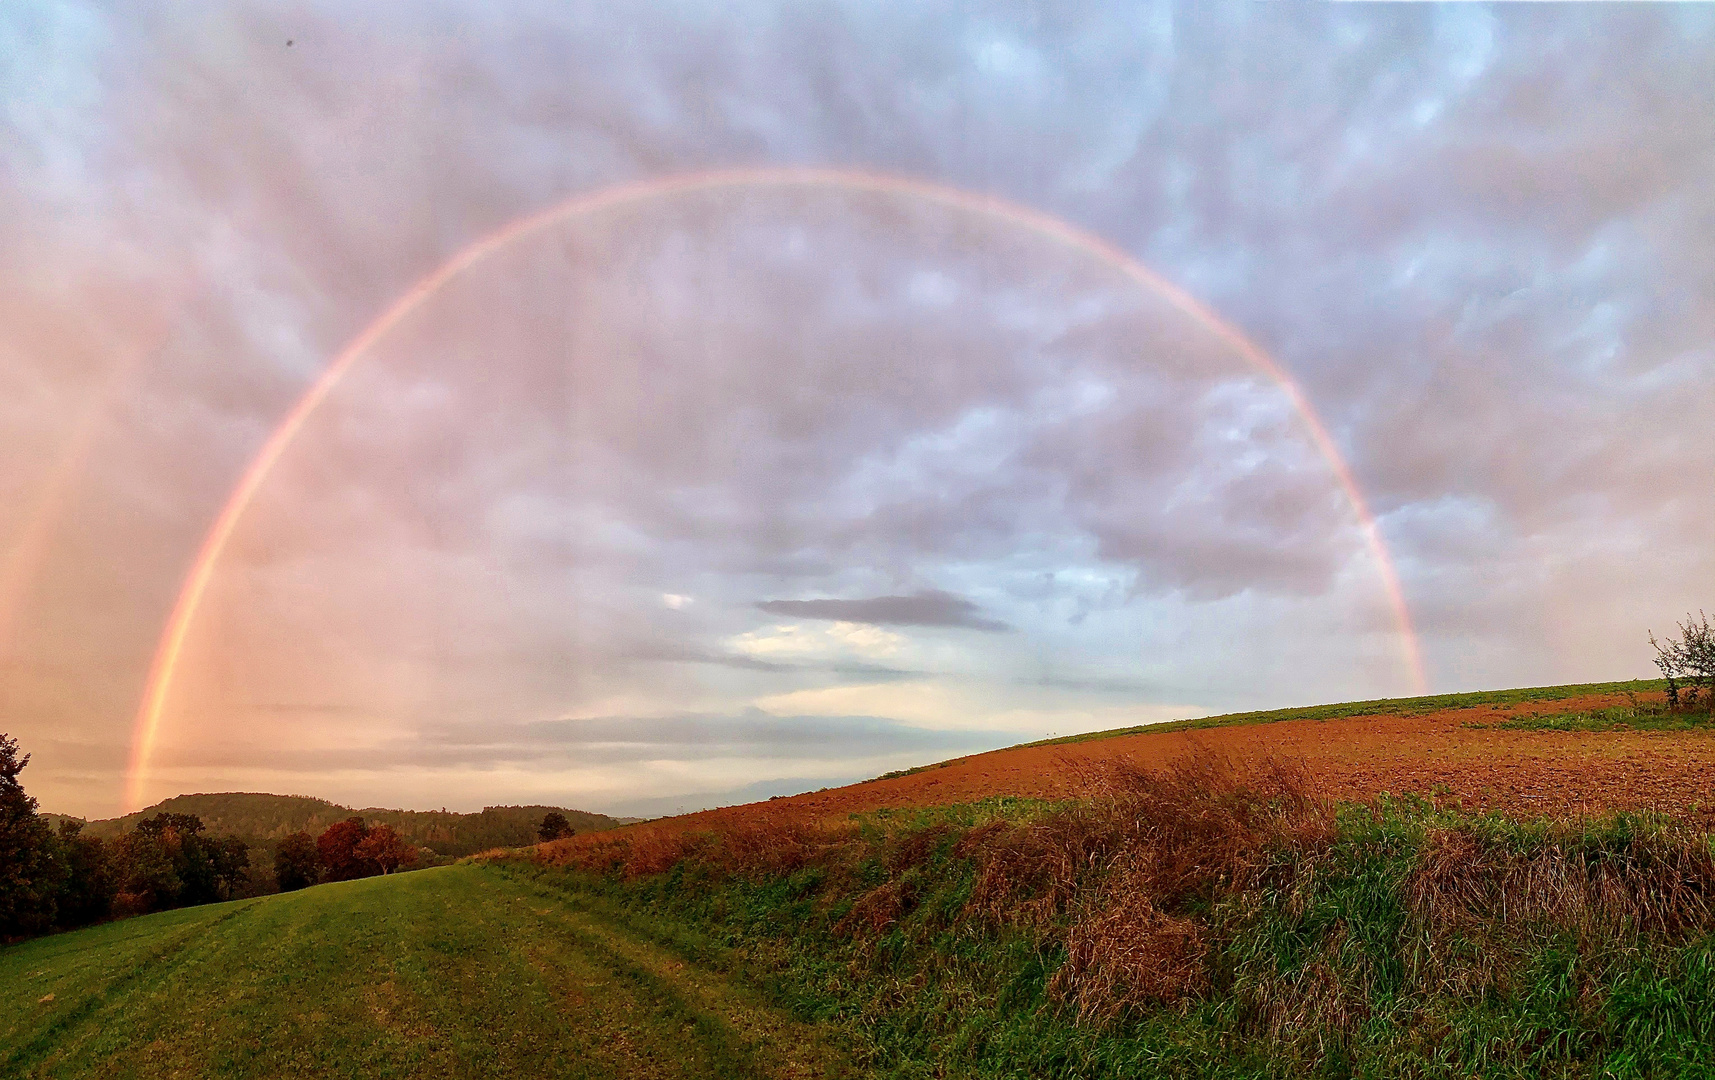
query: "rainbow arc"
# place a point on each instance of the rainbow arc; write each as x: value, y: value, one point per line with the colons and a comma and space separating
x: 172, y: 642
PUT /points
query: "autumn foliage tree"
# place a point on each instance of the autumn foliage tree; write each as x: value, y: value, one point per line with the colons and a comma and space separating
x: 387, y: 849
x: 337, y: 849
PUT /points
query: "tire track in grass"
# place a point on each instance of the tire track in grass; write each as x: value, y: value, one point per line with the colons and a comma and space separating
x: 756, y: 1038
x: 483, y: 954
x: 157, y: 966
x: 455, y: 972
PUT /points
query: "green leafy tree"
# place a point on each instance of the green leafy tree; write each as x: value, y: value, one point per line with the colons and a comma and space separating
x: 146, y: 872
x: 192, y: 860
x: 87, y: 895
x: 231, y: 858
x: 31, y: 870
x: 166, y: 862
x: 296, y: 862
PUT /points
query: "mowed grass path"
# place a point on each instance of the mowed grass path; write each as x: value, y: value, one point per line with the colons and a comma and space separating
x: 458, y: 971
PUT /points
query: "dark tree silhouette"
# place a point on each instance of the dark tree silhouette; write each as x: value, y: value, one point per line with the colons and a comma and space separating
x: 89, y: 887
x: 295, y: 862
x: 554, y: 825
x: 31, y: 870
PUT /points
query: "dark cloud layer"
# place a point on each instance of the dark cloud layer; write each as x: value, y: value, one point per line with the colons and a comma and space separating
x: 926, y: 607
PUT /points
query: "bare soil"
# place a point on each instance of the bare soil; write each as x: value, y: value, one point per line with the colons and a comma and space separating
x: 1452, y: 754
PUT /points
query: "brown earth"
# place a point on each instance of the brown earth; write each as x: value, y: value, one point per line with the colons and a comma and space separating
x: 1452, y: 754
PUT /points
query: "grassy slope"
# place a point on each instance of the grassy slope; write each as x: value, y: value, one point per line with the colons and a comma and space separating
x: 1360, y: 985
x: 458, y: 971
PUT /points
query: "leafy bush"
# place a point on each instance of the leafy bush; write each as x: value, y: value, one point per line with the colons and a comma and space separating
x: 1688, y: 664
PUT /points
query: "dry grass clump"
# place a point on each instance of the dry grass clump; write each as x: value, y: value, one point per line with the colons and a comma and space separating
x: 1208, y: 879
x: 1179, y: 837
x: 761, y: 848
x: 1124, y: 954
x: 1660, y: 883
x: 1656, y: 885
x: 1028, y: 874
x: 1204, y: 823
x: 1199, y: 825
x: 878, y: 909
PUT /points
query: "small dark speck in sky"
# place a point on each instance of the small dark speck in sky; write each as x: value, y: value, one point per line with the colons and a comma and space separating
x: 288, y: 43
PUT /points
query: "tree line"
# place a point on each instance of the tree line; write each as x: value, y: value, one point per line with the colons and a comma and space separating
x: 264, y: 820
x: 60, y: 878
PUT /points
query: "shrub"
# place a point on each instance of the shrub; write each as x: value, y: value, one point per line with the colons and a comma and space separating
x: 1688, y: 664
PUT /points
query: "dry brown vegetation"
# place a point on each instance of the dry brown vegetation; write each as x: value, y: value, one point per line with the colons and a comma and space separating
x: 1157, y: 885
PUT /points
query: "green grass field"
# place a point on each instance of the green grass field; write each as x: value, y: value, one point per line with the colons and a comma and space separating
x: 456, y: 971
x: 1393, y: 939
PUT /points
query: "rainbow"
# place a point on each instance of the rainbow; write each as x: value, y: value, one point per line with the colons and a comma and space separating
x: 172, y: 642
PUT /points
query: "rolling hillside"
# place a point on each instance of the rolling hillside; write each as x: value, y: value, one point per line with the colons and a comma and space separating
x: 1500, y: 885
x: 457, y: 971
x: 260, y: 819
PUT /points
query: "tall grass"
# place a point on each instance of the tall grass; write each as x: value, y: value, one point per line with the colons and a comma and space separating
x: 1200, y: 920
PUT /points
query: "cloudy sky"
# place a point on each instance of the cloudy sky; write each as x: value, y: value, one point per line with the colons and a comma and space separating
x: 748, y: 488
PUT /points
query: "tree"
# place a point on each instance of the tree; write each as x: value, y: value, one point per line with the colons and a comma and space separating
x: 337, y: 848
x: 87, y: 895
x: 387, y: 849
x: 1688, y: 664
x: 147, y: 873
x: 179, y: 839
x: 295, y: 862
x: 31, y: 870
x: 166, y: 862
x: 554, y: 826
x: 231, y: 858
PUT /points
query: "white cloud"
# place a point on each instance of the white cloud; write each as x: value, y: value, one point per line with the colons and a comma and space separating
x: 837, y: 641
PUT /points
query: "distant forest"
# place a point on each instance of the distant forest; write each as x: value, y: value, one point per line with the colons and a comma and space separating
x: 58, y: 872
x: 258, y: 819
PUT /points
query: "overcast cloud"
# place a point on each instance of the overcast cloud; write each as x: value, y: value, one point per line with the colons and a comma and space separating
x: 763, y: 488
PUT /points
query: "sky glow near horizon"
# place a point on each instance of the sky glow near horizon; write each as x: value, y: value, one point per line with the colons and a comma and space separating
x: 761, y: 490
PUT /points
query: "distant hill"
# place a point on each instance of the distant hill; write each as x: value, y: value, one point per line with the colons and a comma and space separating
x: 263, y: 819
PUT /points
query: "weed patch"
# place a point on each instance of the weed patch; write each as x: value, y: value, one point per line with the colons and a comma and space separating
x: 1201, y: 920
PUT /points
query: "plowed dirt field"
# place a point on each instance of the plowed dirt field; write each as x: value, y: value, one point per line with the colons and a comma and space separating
x: 1454, y: 753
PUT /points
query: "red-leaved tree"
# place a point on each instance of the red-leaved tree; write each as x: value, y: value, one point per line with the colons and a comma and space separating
x: 387, y: 849
x: 338, y: 850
